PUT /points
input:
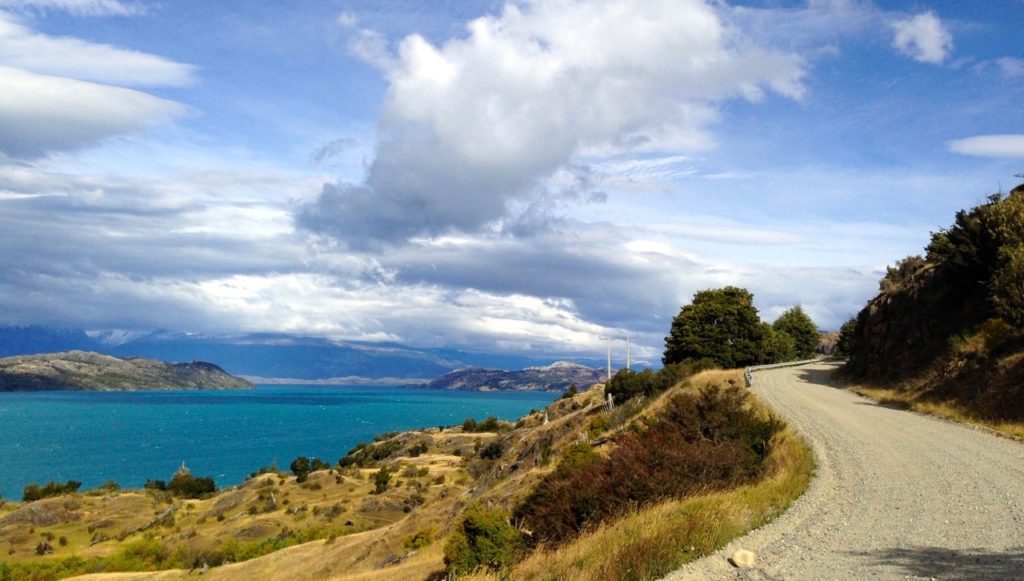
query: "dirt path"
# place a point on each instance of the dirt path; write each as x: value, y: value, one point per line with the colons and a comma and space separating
x: 897, y: 495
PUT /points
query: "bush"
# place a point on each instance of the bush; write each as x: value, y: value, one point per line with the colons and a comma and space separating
x: 569, y: 393
x: 422, y: 538
x: 704, y: 441
x: 418, y: 449
x: 364, y: 455
x: 491, y: 451
x: 381, y: 480
x: 484, y: 539
x: 35, y: 492
x: 628, y: 384
x: 189, y: 486
x: 491, y: 424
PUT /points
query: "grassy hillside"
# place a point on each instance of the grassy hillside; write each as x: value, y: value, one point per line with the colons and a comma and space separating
x: 340, y: 523
x: 945, y: 331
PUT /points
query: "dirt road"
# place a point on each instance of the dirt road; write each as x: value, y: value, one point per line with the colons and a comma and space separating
x: 897, y: 495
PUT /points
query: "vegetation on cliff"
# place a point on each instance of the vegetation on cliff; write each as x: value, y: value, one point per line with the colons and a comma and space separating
x: 87, y: 371
x: 947, y: 328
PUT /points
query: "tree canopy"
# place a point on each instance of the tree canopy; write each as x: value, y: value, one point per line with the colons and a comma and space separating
x: 795, y: 323
x: 721, y: 325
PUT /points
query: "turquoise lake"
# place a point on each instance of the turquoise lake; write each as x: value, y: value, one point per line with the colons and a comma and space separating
x: 128, y: 437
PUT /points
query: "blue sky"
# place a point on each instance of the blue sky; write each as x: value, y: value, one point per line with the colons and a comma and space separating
x: 524, y: 176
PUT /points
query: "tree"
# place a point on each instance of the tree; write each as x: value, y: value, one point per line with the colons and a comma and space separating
x: 721, y: 325
x: 801, y: 328
x: 569, y: 393
x: 300, y: 467
x: 778, y: 346
x: 844, y: 345
x: 381, y: 480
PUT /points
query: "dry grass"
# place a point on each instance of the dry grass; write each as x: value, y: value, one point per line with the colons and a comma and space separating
x: 654, y: 541
x: 943, y: 409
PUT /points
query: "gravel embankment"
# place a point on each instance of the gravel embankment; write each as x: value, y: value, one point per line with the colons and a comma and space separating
x: 897, y: 495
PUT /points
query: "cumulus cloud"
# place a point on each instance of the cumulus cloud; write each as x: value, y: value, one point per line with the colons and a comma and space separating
x: 22, y: 48
x: 990, y: 146
x: 473, y: 125
x: 923, y: 38
x: 41, y: 113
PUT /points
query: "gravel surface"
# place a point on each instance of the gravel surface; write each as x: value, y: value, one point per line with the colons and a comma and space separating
x: 897, y: 495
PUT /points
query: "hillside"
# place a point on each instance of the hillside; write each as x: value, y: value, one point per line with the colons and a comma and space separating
x: 557, y: 376
x: 87, y: 371
x: 395, y: 508
x: 946, y: 327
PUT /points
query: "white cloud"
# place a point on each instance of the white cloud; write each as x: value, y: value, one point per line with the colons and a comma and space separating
x: 371, y: 47
x: 923, y: 38
x: 78, y: 7
x: 473, y: 124
x: 78, y: 59
x: 1011, y: 67
x: 990, y: 146
x: 347, y: 20
x: 41, y: 113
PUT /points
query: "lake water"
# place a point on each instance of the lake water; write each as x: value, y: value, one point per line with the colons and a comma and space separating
x: 128, y: 437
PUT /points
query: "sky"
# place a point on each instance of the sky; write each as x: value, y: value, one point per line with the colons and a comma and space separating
x: 525, y: 176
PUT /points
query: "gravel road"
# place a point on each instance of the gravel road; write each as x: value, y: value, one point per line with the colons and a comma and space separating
x: 897, y: 495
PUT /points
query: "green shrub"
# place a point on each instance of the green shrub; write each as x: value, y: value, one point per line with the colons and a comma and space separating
x: 569, y: 393
x: 491, y: 451
x: 364, y: 455
x: 422, y: 538
x: 484, y: 539
x: 381, y: 480
x: 33, y: 491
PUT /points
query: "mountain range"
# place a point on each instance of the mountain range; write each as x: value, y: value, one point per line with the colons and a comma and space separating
x: 266, y: 357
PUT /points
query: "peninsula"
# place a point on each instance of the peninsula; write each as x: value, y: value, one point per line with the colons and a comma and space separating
x: 88, y: 371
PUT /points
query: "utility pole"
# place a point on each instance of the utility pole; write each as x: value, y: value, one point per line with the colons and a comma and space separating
x: 627, y: 352
x: 609, y: 339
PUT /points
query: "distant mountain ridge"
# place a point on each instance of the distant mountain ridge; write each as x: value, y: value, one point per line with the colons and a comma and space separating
x: 277, y: 357
x: 89, y: 371
x: 555, y: 377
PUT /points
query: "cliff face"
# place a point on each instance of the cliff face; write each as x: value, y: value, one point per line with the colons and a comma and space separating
x: 557, y: 376
x: 948, y: 325
x: 87, y: 371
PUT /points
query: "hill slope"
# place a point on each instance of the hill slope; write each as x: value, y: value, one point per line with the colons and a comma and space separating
x: 557, y: 376
x: 87, y: 371
x: 947, y: 327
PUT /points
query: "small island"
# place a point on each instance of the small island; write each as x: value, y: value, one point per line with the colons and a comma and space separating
x: 88, y: 371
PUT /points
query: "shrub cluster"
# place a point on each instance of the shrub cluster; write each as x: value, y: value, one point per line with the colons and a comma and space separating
x: 491, y: 424
x: 364, y: 455
x: 185, y: 485
x: 484, y: 539
x: 628, y: 384
x: 302, y: 466
x: 35, y: 492
x: 705, y: 441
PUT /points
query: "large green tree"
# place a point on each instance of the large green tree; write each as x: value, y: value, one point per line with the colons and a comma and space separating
x: 801, y: 328
x: 721, y: 325
x: 777, y: 346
